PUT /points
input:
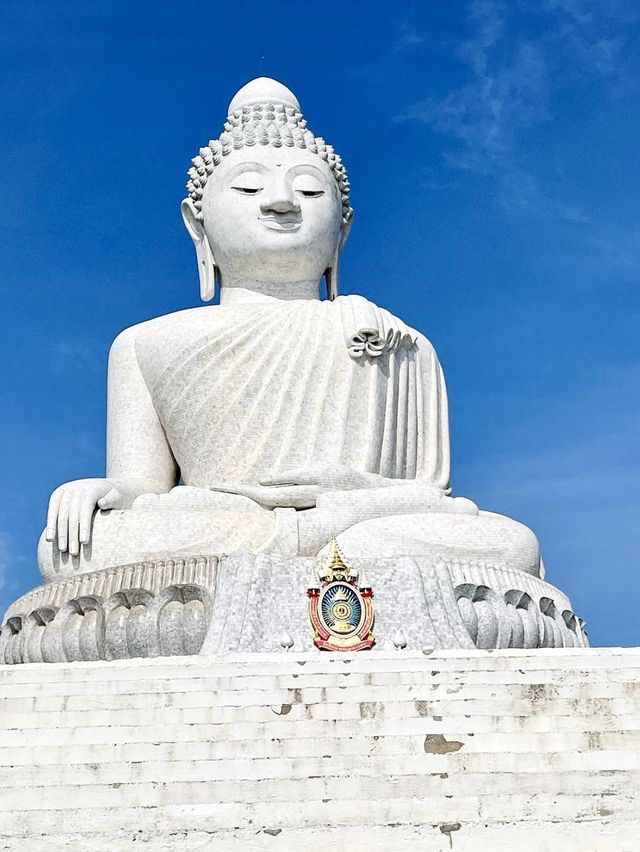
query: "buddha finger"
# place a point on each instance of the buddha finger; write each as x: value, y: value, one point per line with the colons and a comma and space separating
x: 63, y: 523
x: 243, y: 490
x: 86, y: 515
x: 110, y: 499
x: 288, y: 496
x: 73, y: 543
x: 300, y: 476
x: 52, y: 513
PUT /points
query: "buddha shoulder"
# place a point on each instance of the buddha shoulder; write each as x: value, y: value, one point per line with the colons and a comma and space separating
x: 369, y: 320
x: 363, y: 323
x: 159, y: 331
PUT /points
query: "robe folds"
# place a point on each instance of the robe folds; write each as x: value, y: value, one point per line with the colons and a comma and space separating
x: 248, y: 390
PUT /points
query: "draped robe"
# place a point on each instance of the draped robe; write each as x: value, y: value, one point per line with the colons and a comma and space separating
x: 264, y: 387
x: 234, y: 393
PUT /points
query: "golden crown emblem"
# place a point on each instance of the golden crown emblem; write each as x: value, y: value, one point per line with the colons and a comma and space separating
x: 341, y: 607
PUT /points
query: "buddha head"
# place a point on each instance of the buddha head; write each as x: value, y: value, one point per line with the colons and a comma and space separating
x: 268, y: 201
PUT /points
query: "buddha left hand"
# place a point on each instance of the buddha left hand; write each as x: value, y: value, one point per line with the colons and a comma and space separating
x: 301, y: 488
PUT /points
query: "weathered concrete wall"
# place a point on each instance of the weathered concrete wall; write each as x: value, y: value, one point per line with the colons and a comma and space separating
x: 504, y: 750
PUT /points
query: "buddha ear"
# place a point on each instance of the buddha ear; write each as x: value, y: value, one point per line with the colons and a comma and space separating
x: 331, y: 274
x: 346, y: 230
x: 204, y: 255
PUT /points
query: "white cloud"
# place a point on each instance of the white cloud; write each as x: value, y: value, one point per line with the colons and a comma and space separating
x: 592, y: 33
x: 510, y: 91
x: 76, y: 355
x: 486, y: 114
x: 591, y: 13
x: 488, y: 17
x: 408, y: 39
x: 520, y: 191
x: 572, y: 474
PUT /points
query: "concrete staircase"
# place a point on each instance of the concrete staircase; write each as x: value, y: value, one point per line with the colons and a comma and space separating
x: 504, y: 750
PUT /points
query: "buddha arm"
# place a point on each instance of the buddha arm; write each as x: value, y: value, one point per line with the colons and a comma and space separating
x: 422, y: 457
x: 432, y: 422
x: 137, y: 448
x: 139, y: 459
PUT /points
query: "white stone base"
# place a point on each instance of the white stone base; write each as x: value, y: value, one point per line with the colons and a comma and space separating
x: 241, y: 603
x: 463, y: 750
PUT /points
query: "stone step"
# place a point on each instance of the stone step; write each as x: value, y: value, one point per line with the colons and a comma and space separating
x: 609, y: 696
x: 596, y: 771
x: 238, y: 803
x: 235, y: 730
x: 578, y: 736
x: 339, y: 807
x: 500, y: 837
x: 564, y: 661
x: 238, y: 686
x: 360, y: 753
x: 561, y: 715
x: 626, y: 679
x: 176, y: 752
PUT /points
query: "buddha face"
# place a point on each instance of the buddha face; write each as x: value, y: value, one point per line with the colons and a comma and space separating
x: 272, y: 215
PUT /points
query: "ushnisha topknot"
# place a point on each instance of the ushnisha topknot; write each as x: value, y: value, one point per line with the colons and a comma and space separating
x: 264, y: 112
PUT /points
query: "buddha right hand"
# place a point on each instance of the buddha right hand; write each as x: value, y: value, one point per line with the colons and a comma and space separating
x: 72, y: 505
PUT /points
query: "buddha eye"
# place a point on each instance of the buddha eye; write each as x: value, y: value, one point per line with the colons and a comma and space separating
x: 247, y: 190
x: 248, y: 182
x: 308, y: 186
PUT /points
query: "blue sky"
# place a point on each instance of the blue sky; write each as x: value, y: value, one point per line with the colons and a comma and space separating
x: 493, y: 153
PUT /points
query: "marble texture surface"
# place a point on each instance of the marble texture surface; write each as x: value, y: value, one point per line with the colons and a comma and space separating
x: 266, y: 425
x: 223, y: 420
x: 247, y: 603
x: 534, y: 751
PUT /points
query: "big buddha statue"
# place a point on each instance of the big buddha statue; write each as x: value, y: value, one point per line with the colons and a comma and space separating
x: 287, y: 414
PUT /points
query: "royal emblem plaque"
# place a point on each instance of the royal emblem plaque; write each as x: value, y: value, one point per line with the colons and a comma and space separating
x: 341, y: 607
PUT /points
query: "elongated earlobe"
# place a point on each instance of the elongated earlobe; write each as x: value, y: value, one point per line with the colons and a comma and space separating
x: 207, y: 271
x: 331, y: 275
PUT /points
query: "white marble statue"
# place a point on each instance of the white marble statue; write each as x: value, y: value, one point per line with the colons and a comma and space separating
x: 279, y: 418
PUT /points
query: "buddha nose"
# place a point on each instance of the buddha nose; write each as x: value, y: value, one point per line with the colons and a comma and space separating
x: 280, y: 199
